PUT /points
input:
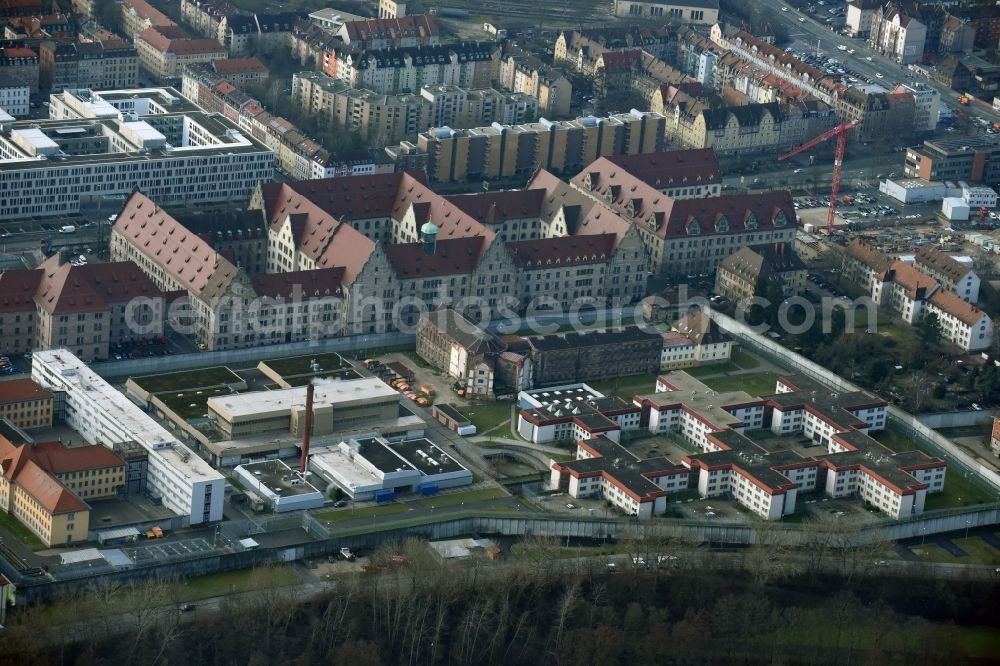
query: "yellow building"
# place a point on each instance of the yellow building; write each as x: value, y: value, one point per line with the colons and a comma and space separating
x: 25, y: 404
x: 564, y: 146
x: 43, y: 486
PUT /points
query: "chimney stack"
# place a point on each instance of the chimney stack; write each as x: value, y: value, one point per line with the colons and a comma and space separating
x: 307, y: 431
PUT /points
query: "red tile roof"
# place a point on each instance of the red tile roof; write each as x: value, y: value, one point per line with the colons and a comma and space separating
x: 409, y: 26
x: 66, y: 288
x: 19, y: 466
x: 168, y: 40
x: 916, y: 284
x: 498, y: 207
x: 21, y: 390
x: 147, y: 11
x: 59, y: 459
x: 659, y: 170
x: 18, y: 289
x: 453, y: 256
x: 563, y: 251
x: 621, y: 61
x: 949, y: 302
x: 239, y: 66
x: 182, y: 254
x: 584, y: 214
x: 317, y: 283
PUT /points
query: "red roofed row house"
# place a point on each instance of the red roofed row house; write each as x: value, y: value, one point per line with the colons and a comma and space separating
x: 851, y: 462
x: 46, y: 486
x: 138, y: 15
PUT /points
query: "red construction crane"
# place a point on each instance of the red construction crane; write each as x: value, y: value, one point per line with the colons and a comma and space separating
x: 838, y: 161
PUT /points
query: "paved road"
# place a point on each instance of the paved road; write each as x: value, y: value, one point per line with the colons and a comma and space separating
x: 811, y: 31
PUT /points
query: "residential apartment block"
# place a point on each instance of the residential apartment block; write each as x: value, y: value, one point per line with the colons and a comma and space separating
x: 165, y: 57
x: 385, y: 33
x: 750, y: 270
x: 107, y: 65
x: 243, y: 34
x: 102, y: 414
x: 390, y: 118
x: 766, y: 482
x: 21, y: 64
x: 172, y: 152
x: 952, y: 274
x: 706, y: 342
x: 237, y: 72
x: 502, y: 151
x: 897, y: 34
x: 520, y: 72
x: 579, y: 51
x: 396, y: 70
x: 138, y: 15
x: 15, y: 96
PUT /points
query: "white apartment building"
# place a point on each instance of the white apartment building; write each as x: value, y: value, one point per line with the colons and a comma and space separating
x: 954, y: 273
x: 55, y: 167
x: 961, y: 323
x: 896, y: 35
x: 103, y: 415
x: 927, y: 104
x: 905, y: 290
x: 14, y: 98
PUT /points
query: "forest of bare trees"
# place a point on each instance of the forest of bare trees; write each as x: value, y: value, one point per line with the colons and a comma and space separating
x: 538, y: 611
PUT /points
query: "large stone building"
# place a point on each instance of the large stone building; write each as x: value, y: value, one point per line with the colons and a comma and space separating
x: 684, y: 236
x: 521, y: 72
x: 453, y: 343
x: 749, y: 272
x: 897, y: 33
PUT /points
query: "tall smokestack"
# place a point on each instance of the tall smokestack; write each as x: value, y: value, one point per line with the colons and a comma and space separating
x: 307, y: 432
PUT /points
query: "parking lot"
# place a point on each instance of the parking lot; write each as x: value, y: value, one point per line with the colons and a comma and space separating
x: 168, y: 550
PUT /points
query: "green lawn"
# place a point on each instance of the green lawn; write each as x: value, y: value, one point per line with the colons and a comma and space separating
x: 345, y: 515
x: 626, y: 387
x: 896, y: 441
x: 754, y: 383
x: 215, y: 585
x: 468, y: 497
x: 190, y: 405
x: 958, y: 491
x: 20, y: 532
x: 487, y: 415
x: 744, y: 360
x: 979, y: 642
x: 712, y: 369
x: 290, y: 366
x: 187, y: 379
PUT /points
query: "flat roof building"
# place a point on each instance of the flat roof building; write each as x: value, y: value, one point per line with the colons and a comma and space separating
x: 372, y: 467
x: 101, y: 414
x: 280, y: 486
x: 176, y: 154
x: 337, y: 404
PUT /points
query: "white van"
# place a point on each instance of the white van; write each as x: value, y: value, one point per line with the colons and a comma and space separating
x: 68, y: 229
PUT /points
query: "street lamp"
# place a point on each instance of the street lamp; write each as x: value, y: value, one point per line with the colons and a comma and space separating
x: 968, y: 524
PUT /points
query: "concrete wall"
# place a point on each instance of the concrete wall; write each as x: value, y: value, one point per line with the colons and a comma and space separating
x: 962, y: 419
x: 157, y: 364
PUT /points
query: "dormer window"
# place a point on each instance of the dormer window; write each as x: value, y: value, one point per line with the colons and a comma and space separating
x: 780, y: 219
x: 751, y: 222
x: 693, y: 227
x: 722, y: 224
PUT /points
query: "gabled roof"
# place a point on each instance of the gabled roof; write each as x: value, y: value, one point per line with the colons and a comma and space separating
x: 868, y: 255
x: 461, y: 329
x: 182, y: 254
x: 933, y: 259
x: 916, y: 285
x: 453, y: 256
x: 700, y: 329
x: 676, y: 168
x: 950, y: 302
x: 498, y: 207
x: 563, y: 251
x: 18, y: 289
x: 66, y: 288
x: 318, y: 283
x: 414, y: 25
